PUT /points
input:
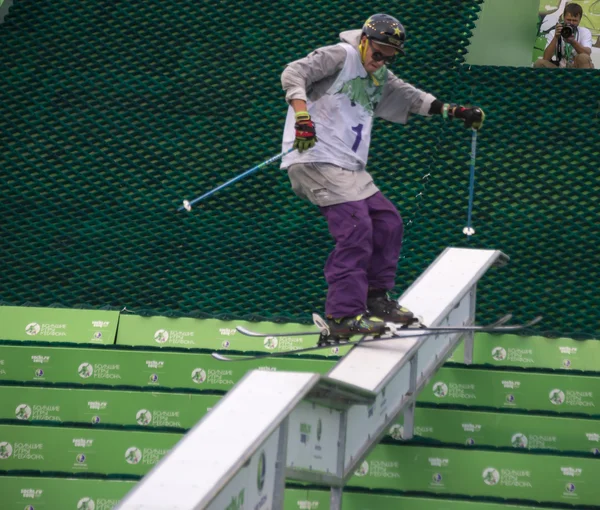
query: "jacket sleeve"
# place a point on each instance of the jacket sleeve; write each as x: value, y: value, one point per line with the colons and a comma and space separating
x: 400, y: 99
x: 309, y: 74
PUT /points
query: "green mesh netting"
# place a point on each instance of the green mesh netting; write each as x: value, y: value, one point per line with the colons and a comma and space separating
x: 113, y: 112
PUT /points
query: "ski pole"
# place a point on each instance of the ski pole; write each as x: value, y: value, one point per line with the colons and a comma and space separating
x: 469, y: 230
x: 187, y: 204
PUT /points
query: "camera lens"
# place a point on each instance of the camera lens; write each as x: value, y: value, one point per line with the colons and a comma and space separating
x: 567, y: 31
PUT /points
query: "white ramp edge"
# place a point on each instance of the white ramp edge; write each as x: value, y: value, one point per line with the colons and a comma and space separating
x: 396, y: 370
x: 312, y: 428
x: 234, y: 455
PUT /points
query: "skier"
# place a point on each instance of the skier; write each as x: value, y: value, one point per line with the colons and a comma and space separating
x: 333, y: 95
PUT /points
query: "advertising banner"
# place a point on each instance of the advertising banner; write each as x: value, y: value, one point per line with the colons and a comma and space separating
x: 136, y: 368
x: 298, y: 499
x: 357, y: 501
x: 514, y: 390
x: 538, y: 352
x: 523, y: 431
x: 106, y: 407
x: 32, y: 493
x: 526, y: 477
x: 101, y: 451
x: 58, y: 325
x: 215, y: 334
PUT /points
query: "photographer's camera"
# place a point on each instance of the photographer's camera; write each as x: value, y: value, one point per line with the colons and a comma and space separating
x: 568, y: 31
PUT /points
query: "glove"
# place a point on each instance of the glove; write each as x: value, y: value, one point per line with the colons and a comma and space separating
x: 473, y: 117
x: 306, y: 136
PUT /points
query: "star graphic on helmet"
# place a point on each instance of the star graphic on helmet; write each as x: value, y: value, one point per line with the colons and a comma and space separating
x: 397, y: 31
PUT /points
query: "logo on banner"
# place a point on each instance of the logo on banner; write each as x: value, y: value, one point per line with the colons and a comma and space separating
x: 161, y: 336
x: 270, y: 342
x: 133, y: 455
x: 198, y: 376
x: 440, y: 389
x: 5, y: 450
x: 499, y: 353
x: 491, y: 476
x: 23, y: 412
x: 570, y: 487
x: 261, y: 472
x: 85, y: 370
x: 46, y: 329
x: 397, y: 431
x: 557, y: 397
x: 86, y: 504
x: 363, y: 469
x: 32, y: 328
x: 519, y: 440
x: 143, y: 417
x: 307, y: 505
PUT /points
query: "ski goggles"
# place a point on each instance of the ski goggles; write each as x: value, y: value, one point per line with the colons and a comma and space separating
x: 377, y: 56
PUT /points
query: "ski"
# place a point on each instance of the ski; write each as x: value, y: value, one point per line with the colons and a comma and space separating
x: 324, y: 330
x: 496, y: 327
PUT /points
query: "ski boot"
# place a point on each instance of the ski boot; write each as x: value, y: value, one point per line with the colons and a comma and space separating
x: 381, y: 306
x: 342, y: 329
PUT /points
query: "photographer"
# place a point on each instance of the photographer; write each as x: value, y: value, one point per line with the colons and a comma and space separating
x: 571, y: 45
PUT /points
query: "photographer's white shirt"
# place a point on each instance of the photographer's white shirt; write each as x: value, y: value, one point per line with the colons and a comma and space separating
x: 583, y: 37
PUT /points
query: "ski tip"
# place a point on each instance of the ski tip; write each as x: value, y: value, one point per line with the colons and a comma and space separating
x: 220, y: 357
x: 503, y: 320
x: 320, y: 323
x: 535, y: 320
x: 245, y: 331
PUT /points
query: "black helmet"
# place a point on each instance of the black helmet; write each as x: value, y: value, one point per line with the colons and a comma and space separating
x: 387, y: 30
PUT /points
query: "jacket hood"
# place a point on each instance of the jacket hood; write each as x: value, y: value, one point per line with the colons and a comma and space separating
x: 351, y: 37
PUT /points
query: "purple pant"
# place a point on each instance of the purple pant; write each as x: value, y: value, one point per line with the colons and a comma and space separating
x: 368, y: 239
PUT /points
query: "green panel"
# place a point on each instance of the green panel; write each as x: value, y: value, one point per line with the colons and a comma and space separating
x: 296, y: 499
x: 215, y: 334
x: 31, y: 493
x: 106, y: 407
x: 378, y: 502
x: 514, y: 390
x: 504, y: 34
x: 535, y: 352
x: 58, y: 325
x: 473, y: 428
x: 60, y: 494
x: 82, y: 450
x: 136, y: 368
x: 517, y: 476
